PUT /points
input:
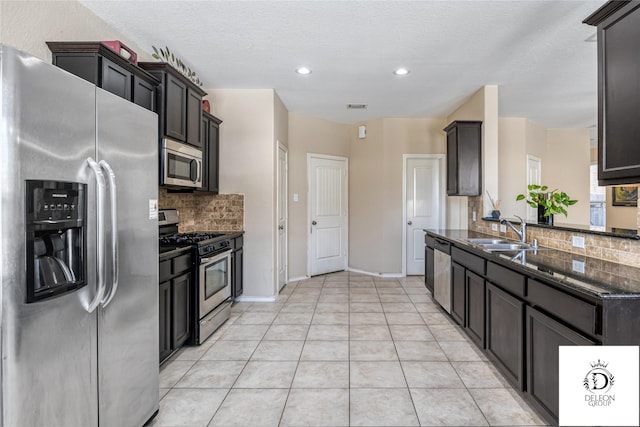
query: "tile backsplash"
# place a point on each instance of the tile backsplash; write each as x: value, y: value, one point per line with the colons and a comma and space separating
x: 205, y: 212
x: 615, y: 249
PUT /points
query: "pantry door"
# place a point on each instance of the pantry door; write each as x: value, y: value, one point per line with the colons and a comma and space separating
x: 283, y: 233
x: 424, y: 205
x: 534, y: 174
x: 328, y: 239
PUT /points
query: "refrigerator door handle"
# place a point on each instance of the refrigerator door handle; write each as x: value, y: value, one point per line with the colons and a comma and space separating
x: 111, y: 177
x: 100, y: 189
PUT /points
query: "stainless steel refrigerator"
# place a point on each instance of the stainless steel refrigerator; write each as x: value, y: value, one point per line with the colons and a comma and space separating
x: 79, y: 292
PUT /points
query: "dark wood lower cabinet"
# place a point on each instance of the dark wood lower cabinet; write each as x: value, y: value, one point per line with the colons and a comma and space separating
x: 475, y: 295
x: 237, y: 261
x: 181, y: 314
x: 429, y: 271
x: 164, y: 297
x: 544, y: 336
x: 505, y: 334
x: 458, y: 293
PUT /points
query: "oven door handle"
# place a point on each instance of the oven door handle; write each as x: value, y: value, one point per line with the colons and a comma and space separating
x: 214, y: 258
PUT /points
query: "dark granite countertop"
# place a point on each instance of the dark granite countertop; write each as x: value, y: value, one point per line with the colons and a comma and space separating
x: 170, y: 251
x: 578, y: 273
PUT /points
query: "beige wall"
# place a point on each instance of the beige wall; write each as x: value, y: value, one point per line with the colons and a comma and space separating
x: 512, y: 166
x: 567, y: 169
x: 375, y: 188
x: 27, y: 25
x: 307, y: 135
x: 248, y: 167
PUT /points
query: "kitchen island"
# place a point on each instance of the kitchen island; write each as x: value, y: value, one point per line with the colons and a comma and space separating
x: 520, y: 306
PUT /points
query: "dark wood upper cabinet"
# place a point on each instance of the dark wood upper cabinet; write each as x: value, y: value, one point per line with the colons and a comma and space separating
x: 106, y: 69
x: 618, y: 25
x: 464, y: 158
x: 179, y: 104
x: 211, y: 153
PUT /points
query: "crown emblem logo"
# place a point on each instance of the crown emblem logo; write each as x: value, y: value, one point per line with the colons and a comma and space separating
x: 599, y: 364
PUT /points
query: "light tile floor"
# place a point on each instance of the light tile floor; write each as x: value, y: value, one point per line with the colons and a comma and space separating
x: 342, y: 349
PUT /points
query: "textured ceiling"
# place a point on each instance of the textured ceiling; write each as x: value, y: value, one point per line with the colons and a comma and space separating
x: 537, y: 52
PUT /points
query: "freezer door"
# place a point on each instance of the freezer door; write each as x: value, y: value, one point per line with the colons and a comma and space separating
x: 47, y: 127
x: 128, y: 325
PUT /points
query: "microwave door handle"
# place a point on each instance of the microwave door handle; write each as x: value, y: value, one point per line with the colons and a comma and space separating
x: 100, y: 190
x: 111, y: 178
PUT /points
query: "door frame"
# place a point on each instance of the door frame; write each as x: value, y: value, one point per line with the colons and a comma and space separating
x: 531, y: 157
x: 280, y: 146
x: 443, y: 208
x: 346, y: 194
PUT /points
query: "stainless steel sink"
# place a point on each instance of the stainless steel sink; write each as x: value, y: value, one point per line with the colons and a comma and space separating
x: 498, y: 244
x: 506, y: 246
x: 481, y: 241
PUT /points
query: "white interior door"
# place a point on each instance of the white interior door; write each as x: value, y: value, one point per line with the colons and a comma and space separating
x: 534, y: 176
x: 328, y: 214
x: 423, y: 200
x: 282, y: 216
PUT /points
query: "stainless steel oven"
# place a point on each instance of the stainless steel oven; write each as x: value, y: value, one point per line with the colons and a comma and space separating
x: 215, y: 281
x: 181, y: 164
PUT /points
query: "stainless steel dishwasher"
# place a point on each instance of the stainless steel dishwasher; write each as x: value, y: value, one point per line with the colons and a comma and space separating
x: 442, y: 274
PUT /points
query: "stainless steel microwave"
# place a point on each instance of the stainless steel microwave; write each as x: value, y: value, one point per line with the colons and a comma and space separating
x: 181, y: 165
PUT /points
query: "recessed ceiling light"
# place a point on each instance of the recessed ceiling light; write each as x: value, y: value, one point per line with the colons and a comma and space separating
x: 304, y: 71
x: 401, y: 72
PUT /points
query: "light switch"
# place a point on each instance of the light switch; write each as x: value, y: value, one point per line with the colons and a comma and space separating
x: 295, y: 197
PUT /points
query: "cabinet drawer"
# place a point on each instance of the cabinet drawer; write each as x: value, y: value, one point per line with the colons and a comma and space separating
x: 165, y: 270
x: 442, y: 246
x: 430, y: 241
x: 472, y: 262
x: 579, y: 313
x: 181, y: 263
x: 507, y: 279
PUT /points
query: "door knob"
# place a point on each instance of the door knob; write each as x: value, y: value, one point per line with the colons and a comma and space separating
x: 410, y: 223
x: 313, y: 223
x: 281, y: 227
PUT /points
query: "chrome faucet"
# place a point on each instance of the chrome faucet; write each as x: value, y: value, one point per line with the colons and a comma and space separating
x: 522, y: 233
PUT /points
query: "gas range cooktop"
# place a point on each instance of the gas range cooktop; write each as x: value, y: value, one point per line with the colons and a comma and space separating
x: 189, y: 238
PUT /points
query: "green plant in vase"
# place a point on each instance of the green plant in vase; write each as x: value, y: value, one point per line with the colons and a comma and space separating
x: 548, y: 203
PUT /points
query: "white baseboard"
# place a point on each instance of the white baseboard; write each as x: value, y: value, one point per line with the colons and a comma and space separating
x: 296, y: 279
x: 245, y: 298
x: 355, y: 270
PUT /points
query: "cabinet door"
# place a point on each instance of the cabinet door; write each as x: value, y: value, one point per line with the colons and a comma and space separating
x: 452, y: 161
x: 237, y: 272
x: 543, y: 338
x: 475, y: 307
x: 428, y: 269
x: 144, y: 93
x: 194, y: 119
x: 214, y: 156
x: 619, y: 97
x: 164, y: 297
x: 469, y: 160
x: 458, y: 279
x: 181, y: 291
x: 205, y: 155
x: 116, y: 79
x: 505, y: 333
x: 176, y: 108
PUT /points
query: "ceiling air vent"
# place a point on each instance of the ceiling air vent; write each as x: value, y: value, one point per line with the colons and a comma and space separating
x: 356, y: 106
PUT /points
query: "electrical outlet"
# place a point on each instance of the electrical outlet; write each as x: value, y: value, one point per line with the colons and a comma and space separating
x: 503, y: 228
x: 494, y: 227
x: 474, y: 217
x: 578, y: 266
x: 577, y: 241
